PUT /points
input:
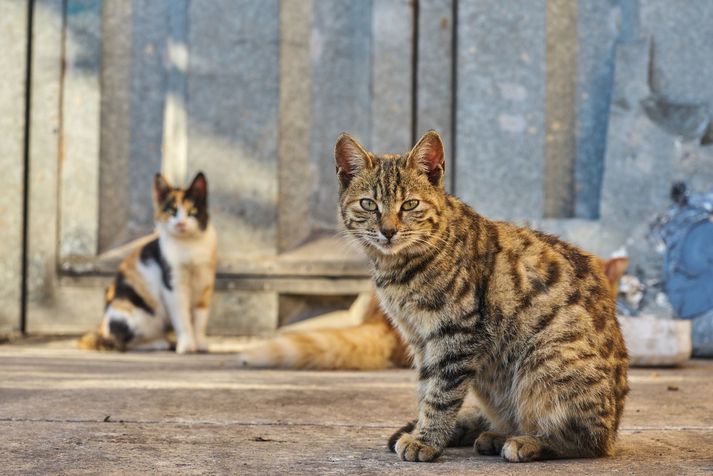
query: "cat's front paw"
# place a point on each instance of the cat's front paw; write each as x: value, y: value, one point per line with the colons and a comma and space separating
x: 410, y: 448
x: 407, y: 428
x: 185, y: 345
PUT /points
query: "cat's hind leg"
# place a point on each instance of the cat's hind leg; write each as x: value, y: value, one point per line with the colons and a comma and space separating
x: 522, y: 449
x: 490, y: 443
x: 469, y: 426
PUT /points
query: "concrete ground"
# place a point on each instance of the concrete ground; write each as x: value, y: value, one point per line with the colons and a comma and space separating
x: 69, y: 411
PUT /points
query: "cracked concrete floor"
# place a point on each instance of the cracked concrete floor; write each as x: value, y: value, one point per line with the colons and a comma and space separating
x: 65, y: 411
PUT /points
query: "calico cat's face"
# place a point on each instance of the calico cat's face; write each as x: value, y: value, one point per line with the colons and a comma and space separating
x: 391, y: 203
x: 181, y: 212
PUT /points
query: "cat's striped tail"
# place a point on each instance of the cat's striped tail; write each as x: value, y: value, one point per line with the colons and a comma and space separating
x: 369, y: 346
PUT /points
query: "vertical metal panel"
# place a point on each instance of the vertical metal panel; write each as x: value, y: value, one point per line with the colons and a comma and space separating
x: 392, y: 75
x: 79, y: 200
x: 148, y: 91
x: 135, y: 76
x: 233, y: 118
x: 115, y: 148
x: 49, y: 307
x: 174, y: 162
x: 341, y: 94
x: 434, y: 100
x: 13, y: 24
x: 295, y: 121
x: 597, y: 31
x: 501, y: 97
x: 560, y: 108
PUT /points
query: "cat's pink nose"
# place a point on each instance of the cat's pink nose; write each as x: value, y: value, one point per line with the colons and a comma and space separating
x: 181, y: 226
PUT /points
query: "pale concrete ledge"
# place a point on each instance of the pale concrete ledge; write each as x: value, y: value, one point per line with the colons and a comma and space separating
x: 65, y: 411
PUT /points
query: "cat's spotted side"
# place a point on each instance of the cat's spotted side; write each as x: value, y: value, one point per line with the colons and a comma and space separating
x: 522, y: 319
x: 168, y: 282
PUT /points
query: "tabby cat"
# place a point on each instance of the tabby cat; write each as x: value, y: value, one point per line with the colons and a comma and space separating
x: 167, y: 283
x: 373, y: 344
x: 520, y: 318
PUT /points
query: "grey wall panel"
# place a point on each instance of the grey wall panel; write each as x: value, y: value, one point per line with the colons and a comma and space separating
x: 392, y: 75
x: 79, y: 183
x: 681, y: 69
x: 295, y: 122
x: 341, y: 93
x: 233, y: 118
x: 434, y: 100
x: 560, y: 108
x: 501, y: 97
x: 115, y: 148
x: 148, y: 89
x: 135, y: 72
x: 13, y: 24
x: 44, y: 159
x: 598, y: 27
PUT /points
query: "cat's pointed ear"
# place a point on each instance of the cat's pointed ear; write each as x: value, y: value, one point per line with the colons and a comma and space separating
x: 428, y: 156
x: 161, y: 188
x: 199, y: 187
x: 350, y: 157
x: 614, y: 269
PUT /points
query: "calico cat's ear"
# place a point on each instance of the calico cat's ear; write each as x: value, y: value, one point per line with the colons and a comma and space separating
x: 350, y: 157
x: 161, y: 188
x: 199, y: 187
x: 428, y: 156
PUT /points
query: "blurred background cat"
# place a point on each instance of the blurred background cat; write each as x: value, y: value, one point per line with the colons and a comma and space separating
x: 166, y: 283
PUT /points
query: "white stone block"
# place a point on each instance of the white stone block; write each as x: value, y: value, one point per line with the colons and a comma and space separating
x: 656, y: 342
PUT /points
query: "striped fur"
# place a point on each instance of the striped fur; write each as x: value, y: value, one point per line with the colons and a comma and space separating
x: 167, y: 283
x: 520, y: 318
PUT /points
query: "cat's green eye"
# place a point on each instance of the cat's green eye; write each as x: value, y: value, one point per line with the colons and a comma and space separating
x: 193, y: 211
x: 409, y: 205
x: 171, y: 210
x: 368, y: 204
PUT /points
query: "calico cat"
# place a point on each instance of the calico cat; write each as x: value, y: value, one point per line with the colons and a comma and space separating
x: 520, y: 318
x: 374, y: 344
x: 167, y: 283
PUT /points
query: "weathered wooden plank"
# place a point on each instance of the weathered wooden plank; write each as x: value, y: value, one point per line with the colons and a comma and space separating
x: 13, y: 62
x: 295, y: 122
x: 392, y: 75
x: 341, y: 94
x: 233, y: 103
x: 79, y: 200
x: 501, y: 97
x: 44, y: 160
x: 434, y: 99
